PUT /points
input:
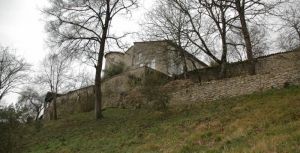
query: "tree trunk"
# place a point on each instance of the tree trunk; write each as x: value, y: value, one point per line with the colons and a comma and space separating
x: 185, y: 70
x: 98, y: 98
x: 97, y: 87
x: 223, y: 68
x: 241, y: 11
x: 224, y: 45
x: 98, y: 94
x: 199, y: 73
x: 37, y: 112
x: 54, y: 106
x: 45, y: 107
x: 37, y: 116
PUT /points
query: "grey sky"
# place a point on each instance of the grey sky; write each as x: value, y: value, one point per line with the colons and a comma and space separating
x: 22, y: 28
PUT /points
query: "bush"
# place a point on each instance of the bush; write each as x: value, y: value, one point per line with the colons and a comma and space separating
x: 11, y: 130
x: 151, y: 89
x: 286, y: 85
x: 114, y: 69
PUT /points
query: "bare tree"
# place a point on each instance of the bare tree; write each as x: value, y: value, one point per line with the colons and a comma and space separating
x: 54, y: 71
x: 250, y: 11
x: 79, y: 79
x: 240, y: 7
x: 81, y: 28
x: 289, y: 16
x: 166, y: 22
x: 204, y: 35
x: 32, y: 100
x: 13, y: 71
x: 237, y: 47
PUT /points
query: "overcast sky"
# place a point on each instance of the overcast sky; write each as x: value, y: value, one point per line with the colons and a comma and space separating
x: 22, y: 28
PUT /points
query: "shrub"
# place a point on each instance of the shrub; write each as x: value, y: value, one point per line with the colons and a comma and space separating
x: 151, y: 89
x: 11, y: 130
x: 114, y: 69
x: 286, y: 85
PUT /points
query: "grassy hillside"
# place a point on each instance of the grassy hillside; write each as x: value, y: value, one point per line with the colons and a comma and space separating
x: 261, y: 122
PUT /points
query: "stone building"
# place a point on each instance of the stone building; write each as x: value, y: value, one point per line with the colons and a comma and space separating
x: 163, y: 56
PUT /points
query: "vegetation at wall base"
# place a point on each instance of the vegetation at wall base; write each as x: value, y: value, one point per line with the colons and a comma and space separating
x: 114, y: 69
x: 260, y: 122
x: 151, y: 88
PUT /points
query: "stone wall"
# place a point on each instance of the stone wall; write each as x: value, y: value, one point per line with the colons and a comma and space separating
x: 278, y: 62
x: 218, y: 89
x: 114, y: 91
x: 273, y: 71
x: 81, y: 100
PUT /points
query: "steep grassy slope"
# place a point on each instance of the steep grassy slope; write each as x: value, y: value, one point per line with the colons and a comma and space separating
x: 261, y: 122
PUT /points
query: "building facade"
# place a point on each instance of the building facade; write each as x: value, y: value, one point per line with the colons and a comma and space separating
x: 162, y: 56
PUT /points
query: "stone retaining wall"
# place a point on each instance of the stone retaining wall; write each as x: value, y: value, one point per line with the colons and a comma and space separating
x: 273, y: 71
x: 278, y: 62
x: 236, y: 86
x: 114, y: 91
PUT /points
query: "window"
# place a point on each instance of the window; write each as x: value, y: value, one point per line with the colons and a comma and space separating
x: 173, y: 67
x: 176, y: 68
x: 139, y: 57
x: 151, y: 64
x: 180, y: 69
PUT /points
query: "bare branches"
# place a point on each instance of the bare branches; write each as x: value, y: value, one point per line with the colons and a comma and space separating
x: 289, y: 28
x: 32, y: 101
x: 54, y: 71
x: 81, y: 29
x: 13, y: 71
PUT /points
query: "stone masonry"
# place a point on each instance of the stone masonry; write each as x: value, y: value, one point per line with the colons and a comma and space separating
x: 273, y: 71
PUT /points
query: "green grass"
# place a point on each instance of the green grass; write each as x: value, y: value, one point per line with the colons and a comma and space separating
x: 260, y: 122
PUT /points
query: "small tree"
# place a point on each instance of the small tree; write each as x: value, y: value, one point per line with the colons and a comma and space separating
x: 11, y: 129
x: 32, y: 101
x: 54, y: 71
x: 13, y: 71
x: 82, y: 29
